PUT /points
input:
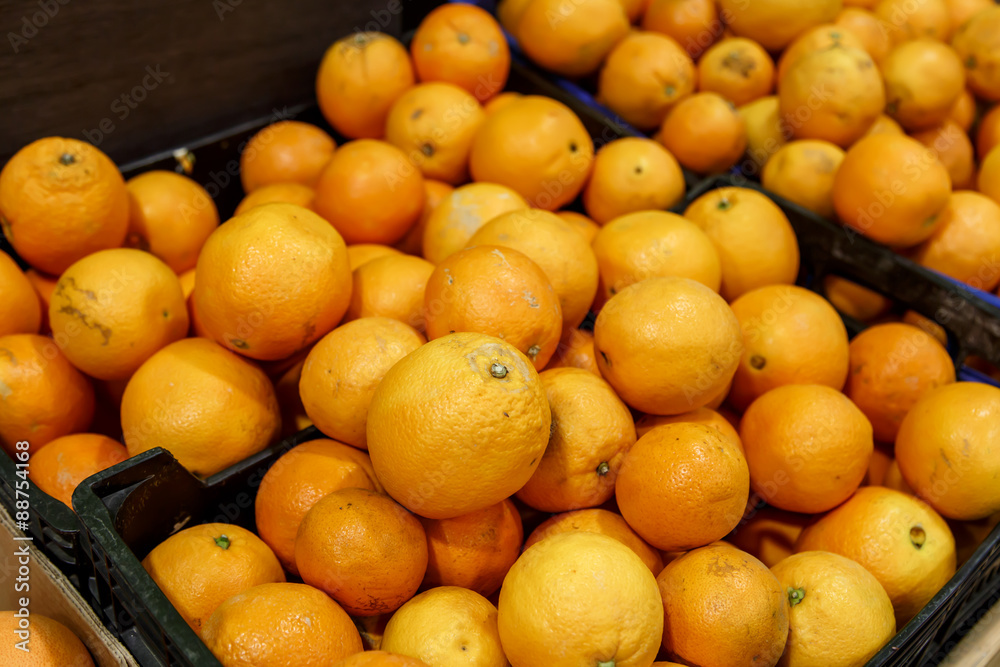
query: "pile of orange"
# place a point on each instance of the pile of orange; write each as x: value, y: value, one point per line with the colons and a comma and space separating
x: 757, y: 487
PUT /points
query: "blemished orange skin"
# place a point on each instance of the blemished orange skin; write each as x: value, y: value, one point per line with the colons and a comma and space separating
x: 601, y: 521
x: 281, y: 622
x: 767, y: 533
x: 392, y: 287
x: 802, y: 172
x: 708, y: 592
x: 556, y: 247
x: 474, y: 550
x: 415, y: 122
x: 575, y: 350
x: 988, y: 181
x: 863, y: 23
x: 682, y: 486
x: 774, y: 24
x: 380, y: 659
x: 287, y: 193
x: 536, y: 146
x: 852, y: 299
x: 21, y: 306
x: 737, y: 68
x: 187, y: 397
x: 953, y: 149
x: 435, y: 192
x: 359, y: 79
x: 965, y: 244
x: 61, y: 200
x: 963, y: 111
x: 694, y: 24
x: 362, y: 253
x: 114, y: 309
x: 817, y: 39
x: 644, y: 76
x: 52, y: 643
x: 362, y: 549
x: 581, y: 223
x: 705, y: 133
x: 464, y: 45
x: 904, y: 22
x: 342, y: 370
x: 892, y: 189
x: 988, y: 134
x: 958, y: 425
x: 895, y: 536
x: 461, y: 213
x: 201, y: 567
x: 61, y: 465
x: 840, y: 86
x: 578, y: 41
x: 706, y: 416
x: 288, y: 151
x: 632, y: 174
x: 923, y: 80
x: 271, y: 281
x: 791, y: 336
x: 297, y: 481
x: 499, y: 292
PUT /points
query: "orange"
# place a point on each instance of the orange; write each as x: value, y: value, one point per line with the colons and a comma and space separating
x: 953, y: 148
x: 967, y: 243
x: 362, y: 549
x: 435, y: 192
x: 819, y: 38
x: 755, y: 241
x: 61, y: 200
x: 802, y: 172
x: 44, y: 396
x: 297, y: 481
x: 571, y: 40
x: 988, y: 181
x: 867, y: 27
x: 928, y: 325
x: 202, y: 403
x: 362, y: 253
x: 882, y: 459
x: 293, y: 414
x: 201, y: 567
x: 767, y: 533
x: 592, y: 433
x: 682, y: 486
x: 581, y: 223
x: 61, y: 465
x: 391, y: 286
x: 695, y: 24
x: 288, y: 151
x: 21, y: 306
x: 447, y: 626
x: 370, y: 658
x: 807, y: 447
x: 499, y: 292
x: 906, y: 21
x: 359, y: 79
x: 559, y: 250
x: 463, y: 45
x: 667, y: 345
x: 462, y: 213
x: 113, y: 309
x: 839, y: 615
x: 705, y: 133
x: 884, y: 125
x: 963, y: 111
x: 737, y: 68
x: 49, y: 642
x: 708, y: 593
x: 892, y: 189
x: 536, y: 146
x: 556, y: 602
x: 988, y: 133
x: 644, y: 76
x: 898, y: 538
x: 415, y: 127
x: 576, y: 350
x: 963, y: 10
x: 370, y: 192
x: 632, y: 174
x: 344, y: 367
x: 923, y: 80
x: 464, y: 402
x: 945, y: 449
x: 649, y: 244
x: 501, y: 100
x: 766, y: 131
x: 44, y: 285
x: 791, y: 336
x: 598, y: 521
x: 854, y: 300
x: 774, y: 24
x: 833, y: 94
x: 706, y: 416
x: 509, y: 13
x: 473, y: 550
x: 278, y: 623
x: 287, y: 193
x: 271, y: 281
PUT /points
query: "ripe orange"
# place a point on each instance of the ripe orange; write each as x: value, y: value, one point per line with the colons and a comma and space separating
x: 61, y: 200
x: 581, y: 223
x: 392, y: 287
x: 644, y: 76
x: 953, y: 148
x: 819, y: 38
x: 767, y: 131
x: 988, y: 134
x: 737, y: 68
x: 274, y: 623
x: 967, y: 243
x: 297, y: 481
x: 929, y: 326
x: 359, y: 79
x: 682, y: 486
x: 21, y: 306
x: 498, y: 102
x: 376, y: 658
x: 963, y: 10
x: 923, y: 80
x: 44, y: 285
x: 463, y: 45
x: 201, y: 567
x: 286, y: 193
x: 863, y: 24
x: 50, y: 642
x: 767, y: 533
x: 802, y: 172
x: 571, y: 40
x: 695, y: 24
x: 271, y: 281
x: 288, y: 151
x: 884, y: 125
x: 988, y: 181
x: 706, y: 416
x: 62, y: 464
x: 575, y: 350
x: 205, y: 405
x: 363, y: 550
x: 536, y: 146
x: 462, y: 213
x: 963, y: 111
x: 632, y: 174
x: 464, y: 402
x: 598, y: 521
x: 705, y: 133
x: 774, y: 24
x: 435, y: 192
x: 904, y: 21
x: 362, y: 253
